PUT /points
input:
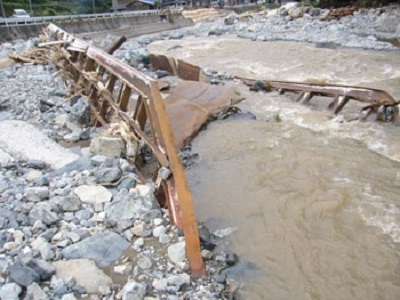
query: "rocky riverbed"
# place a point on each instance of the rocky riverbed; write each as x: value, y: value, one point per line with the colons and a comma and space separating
x: 82, y: 224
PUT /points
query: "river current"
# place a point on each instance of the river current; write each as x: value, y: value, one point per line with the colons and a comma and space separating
x: 314, y: 200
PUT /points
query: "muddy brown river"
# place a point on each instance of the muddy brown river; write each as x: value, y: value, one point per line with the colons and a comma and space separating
x: 315, y: 200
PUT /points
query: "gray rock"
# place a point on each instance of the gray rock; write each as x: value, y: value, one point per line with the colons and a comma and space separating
x: 73, y: 237
x: 10, y: 291
x: 127, y: 183
x: 134, y: 290
x: 36, y: 164
x: 230, y: 20
x: 124, y: 224
x: 71, y: 203
x: 138, y: 229
x: 160, y: 284
x: 296, y: 12
x: 103, y: 248
x: 139, y: 56
x: 159, y: 230
x: 177, y: 252
x: 151, y: 215
x: 42, y: 267
x: 21, y: 274
x: 37, y: 194
x: 315, y: 12
x: 85, y: 134
x: 81, y: 164
x: 164, y: 239
x: 82, y: 232
x: 125, y: 206
x: 45, y: 249
x: 93, y: 194
x: 79, y: 289
x: 60, y: 291
x: 4, y: 185
x: 176, y: 36
x: 69, y: 296
x: 48, y: 234
x: 79, y: 270
x: 83, y: 214
x: 34, y: 292
x: 80, y: 111
x: 46, y: 216
x: 10, y: 218
x: 108, y: 175
x: 179, y: 280
x: 144, y: 262
x: 108, y: 146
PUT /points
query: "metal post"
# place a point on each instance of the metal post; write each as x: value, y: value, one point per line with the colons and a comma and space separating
x: 30, y: 7
x: 94, y: 7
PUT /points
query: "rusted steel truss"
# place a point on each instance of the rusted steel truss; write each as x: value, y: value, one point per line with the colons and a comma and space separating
x: 374, y: 98
x: 109, y: 84
x: 341, y: 96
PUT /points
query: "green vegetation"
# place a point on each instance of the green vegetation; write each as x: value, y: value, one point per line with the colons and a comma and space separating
x: 51, y: 8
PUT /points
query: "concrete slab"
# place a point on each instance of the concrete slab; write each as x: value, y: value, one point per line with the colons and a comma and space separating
x: 22, y: 140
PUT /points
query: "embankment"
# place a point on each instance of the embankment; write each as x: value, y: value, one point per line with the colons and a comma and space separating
x: 138, y: 25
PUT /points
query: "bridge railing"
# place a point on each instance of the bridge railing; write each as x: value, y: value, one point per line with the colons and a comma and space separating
x: 49, y: 19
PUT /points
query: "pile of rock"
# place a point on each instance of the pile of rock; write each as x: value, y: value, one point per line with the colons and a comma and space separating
x: 366, y: 28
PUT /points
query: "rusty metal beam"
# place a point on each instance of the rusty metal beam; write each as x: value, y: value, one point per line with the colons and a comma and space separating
x: 87, y: 64
x: 342, y: 94
x: 185, y: 198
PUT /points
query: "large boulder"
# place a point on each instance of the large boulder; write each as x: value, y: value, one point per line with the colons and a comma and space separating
x: 103, y: 248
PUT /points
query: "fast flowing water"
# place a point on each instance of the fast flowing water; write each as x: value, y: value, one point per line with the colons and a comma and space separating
x: 315, y: 201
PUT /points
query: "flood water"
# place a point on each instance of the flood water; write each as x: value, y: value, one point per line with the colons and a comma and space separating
x: 315, y: 201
